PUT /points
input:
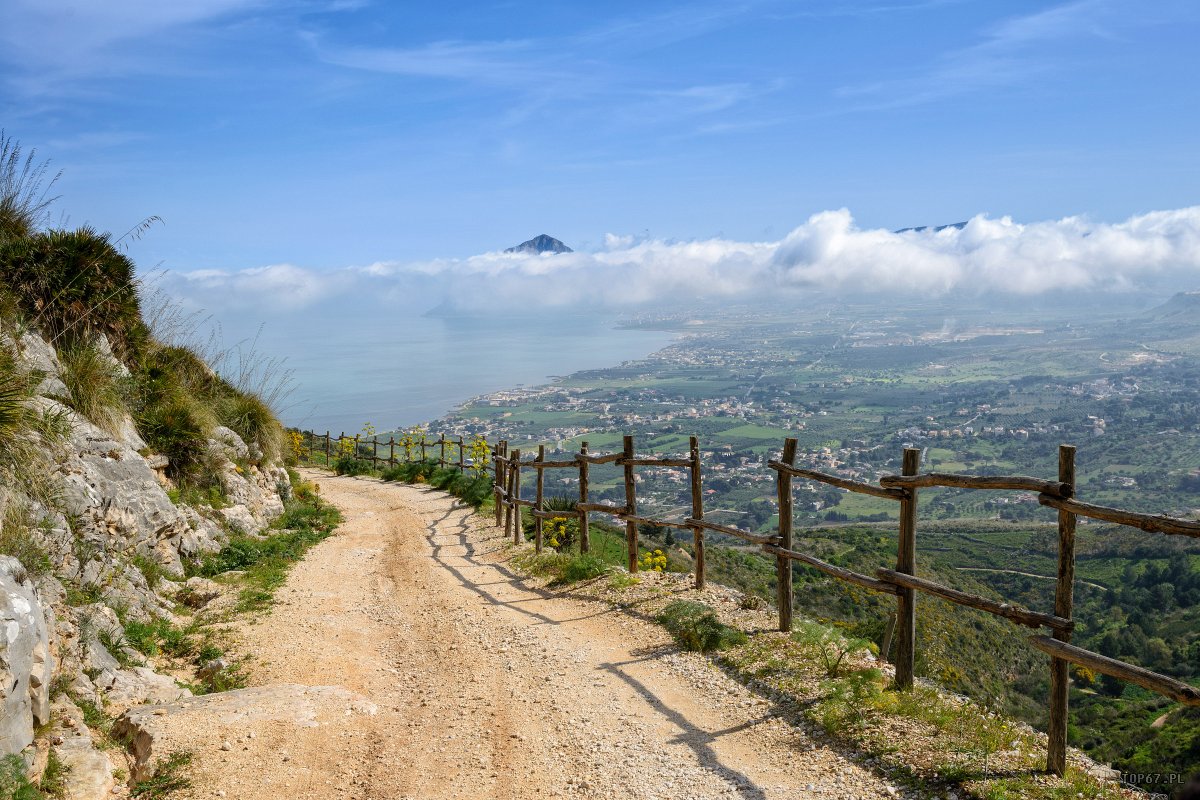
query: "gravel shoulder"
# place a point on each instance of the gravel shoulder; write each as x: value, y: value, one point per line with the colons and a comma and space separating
x: 466, y: 680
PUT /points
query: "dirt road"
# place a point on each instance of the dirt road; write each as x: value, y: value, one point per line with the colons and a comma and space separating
x: 484, y: 686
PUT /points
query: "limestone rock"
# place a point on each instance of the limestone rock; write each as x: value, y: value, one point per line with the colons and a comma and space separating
x: 227, y: 443
x: 40, y: 355
x: 154, y: 730
x: 138, y: 685
x: 198, y: 592
x: 89, y: 770
x: 25, y: 662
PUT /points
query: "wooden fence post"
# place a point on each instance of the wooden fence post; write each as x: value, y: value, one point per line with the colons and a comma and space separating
x: 356, y: 455
x: 541, y: 484
x: 422, y: 448
x: 374, y: 451
x: 462, y: 464
x: 328, y: 448
x: 697, y: 510
x: 442, y: 445
x: 391, y: 451
x: 1060, y: 678
x: 783, y: 565
x: 889, y: 630
x: 906, y: 562
x: 584, y: 540
x: 631, y: 529
x: 498, y: 489
x: 508, y: 492
x: 515, y: 467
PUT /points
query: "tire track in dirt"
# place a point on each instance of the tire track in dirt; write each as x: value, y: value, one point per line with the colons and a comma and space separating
x: 486, y: 685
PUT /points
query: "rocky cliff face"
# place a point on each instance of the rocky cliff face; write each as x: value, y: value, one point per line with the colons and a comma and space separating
x: 113, y: 523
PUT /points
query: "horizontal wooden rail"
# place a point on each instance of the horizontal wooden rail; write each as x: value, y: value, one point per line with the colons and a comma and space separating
x: 552, y: 514
x: 1153, y: 523
x: 655, y: 462
x: 526, y: 503
x: 841, y: 483
x: 1016, y: 482
x: 757, y: 538
x: 1032, y: 619
x: 1175, y: 689
x: 666, y: 523
x: 608, y: 459
x: 836, y: 572
x: 603, y: 508
x: 550, y: 464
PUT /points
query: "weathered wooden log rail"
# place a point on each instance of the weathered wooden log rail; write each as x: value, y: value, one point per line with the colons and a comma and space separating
x: 901, y: 582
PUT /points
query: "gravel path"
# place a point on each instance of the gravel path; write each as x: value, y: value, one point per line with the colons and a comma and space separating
x: 487, y: 686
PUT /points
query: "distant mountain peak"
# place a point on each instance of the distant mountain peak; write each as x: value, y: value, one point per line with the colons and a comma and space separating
x: 936, y: 229
x: 541, y: 244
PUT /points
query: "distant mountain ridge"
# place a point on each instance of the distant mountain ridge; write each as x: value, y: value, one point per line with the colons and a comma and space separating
x: 1183, y: 304
x: 541, y: 244
x: 937, y: 229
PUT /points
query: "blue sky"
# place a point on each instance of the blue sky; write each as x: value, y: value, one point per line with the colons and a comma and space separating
x: 333, y: 134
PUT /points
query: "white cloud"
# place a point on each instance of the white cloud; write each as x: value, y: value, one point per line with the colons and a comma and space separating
x: 276, y: 287
x: 828, y: 252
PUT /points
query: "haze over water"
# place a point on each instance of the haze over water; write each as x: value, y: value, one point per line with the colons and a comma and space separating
x: 395, y: 376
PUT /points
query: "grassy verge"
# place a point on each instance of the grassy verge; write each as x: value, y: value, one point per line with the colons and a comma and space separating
x: 826, y: 680
x: 264, y: 562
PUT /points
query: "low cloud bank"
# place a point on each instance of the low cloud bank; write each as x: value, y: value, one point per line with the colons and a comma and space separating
x: 829, y: 253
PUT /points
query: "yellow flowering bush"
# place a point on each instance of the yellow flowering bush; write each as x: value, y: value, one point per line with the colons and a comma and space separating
x: 557, y: 533
x: 654, y: 562
x: 480, y: 455
x: 296, y: 442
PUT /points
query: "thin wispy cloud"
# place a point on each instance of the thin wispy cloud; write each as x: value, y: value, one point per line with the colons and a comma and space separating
x: 506, y: 62
x: 1013, y: 52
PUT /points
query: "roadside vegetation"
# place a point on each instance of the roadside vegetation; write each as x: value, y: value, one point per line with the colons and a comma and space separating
x: 128, y: 362
x: 263, y: 561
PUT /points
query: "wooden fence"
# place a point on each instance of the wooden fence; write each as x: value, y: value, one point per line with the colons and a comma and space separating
x: 902, y: 581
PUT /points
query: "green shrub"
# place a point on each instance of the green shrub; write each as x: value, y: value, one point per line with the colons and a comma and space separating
x: 76, y: 283
x: 849, y: 701
x: 26, y: 435
x: 472, y: 489
x: 349, y: 465
x: 251, y: 418
x: 696, y: 627
x: 830, y: 646
x: 96, y: 387
x: 158, y: 636
x: 582, y: 567
x: 14, y: 783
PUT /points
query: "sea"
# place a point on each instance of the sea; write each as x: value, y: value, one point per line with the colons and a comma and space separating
x: 395, y: 376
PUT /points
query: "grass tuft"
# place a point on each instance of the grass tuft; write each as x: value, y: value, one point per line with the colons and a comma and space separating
x: 168, y: 778
x: 96, y: 386
x: 696, y: 627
